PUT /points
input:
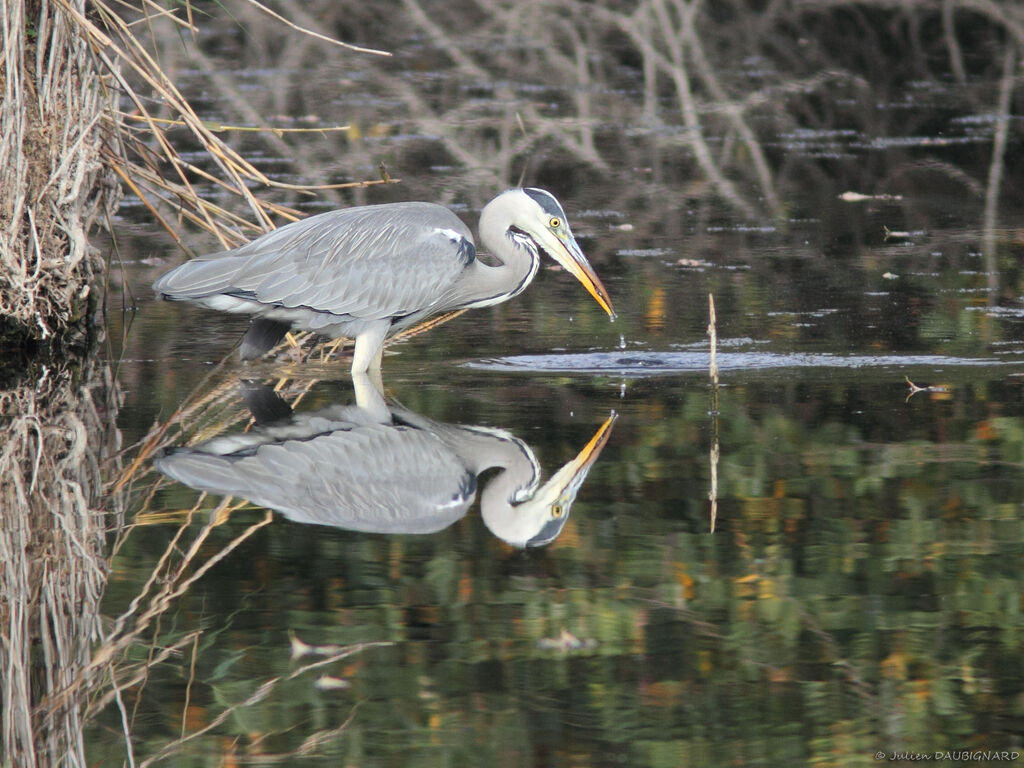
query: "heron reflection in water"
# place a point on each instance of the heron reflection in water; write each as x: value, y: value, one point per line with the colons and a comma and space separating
x: 380, y: 469
x: 367, y: 273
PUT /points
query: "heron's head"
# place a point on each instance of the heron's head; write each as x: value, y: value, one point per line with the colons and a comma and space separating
x: 537, y: 214
x: 537, y: 520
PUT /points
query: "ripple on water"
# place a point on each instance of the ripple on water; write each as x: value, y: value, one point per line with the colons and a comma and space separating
x: 653, y: 363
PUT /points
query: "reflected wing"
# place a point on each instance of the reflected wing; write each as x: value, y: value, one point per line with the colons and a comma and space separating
x: 377, y: 479
x: 372, y: 262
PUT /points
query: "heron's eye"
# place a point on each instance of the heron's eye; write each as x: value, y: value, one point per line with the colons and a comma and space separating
x: 554, y: 222
x: 556, y: 510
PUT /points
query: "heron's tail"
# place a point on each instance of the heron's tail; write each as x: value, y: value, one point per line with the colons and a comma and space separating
x: 199, y: 278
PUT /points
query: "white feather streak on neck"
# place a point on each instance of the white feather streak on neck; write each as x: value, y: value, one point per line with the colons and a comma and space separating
x: 485, y: 285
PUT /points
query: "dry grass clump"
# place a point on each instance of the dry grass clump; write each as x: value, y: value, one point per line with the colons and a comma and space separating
x: 52, y: 566
x: 55, y: 184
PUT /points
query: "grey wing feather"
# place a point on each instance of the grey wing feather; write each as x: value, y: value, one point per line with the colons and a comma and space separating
x: 199, y: 277
x: 371, y: 262
x: 375, y: 479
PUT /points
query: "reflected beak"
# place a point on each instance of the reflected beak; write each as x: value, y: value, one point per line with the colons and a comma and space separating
x: 559, y: 492
x: 567, y: 252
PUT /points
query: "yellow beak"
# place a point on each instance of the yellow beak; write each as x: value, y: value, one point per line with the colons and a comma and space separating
x: 556, y: 496
x: 566, y: 251
x: 571, y: 475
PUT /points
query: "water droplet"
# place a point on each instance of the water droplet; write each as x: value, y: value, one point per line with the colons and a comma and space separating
x: 622, y: 341
x: 622, y: 391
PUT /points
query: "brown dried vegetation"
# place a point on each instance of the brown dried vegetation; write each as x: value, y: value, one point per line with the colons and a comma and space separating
x: 55, y: 185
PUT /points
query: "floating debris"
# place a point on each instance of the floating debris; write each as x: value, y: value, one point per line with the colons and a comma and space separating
x: 642, y: 252
x: 856, y: 197
x: 565, y: 642
x: 940, y: 389
x: 330, y: 683
x: 902, y: 234
x: 765, y: 229
x: 301, y: 648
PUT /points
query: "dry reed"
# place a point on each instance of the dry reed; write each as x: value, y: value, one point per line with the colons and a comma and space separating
x: 57, y: 431
x: 55, y: 184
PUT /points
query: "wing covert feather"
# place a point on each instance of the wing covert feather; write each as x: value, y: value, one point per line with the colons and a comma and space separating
x: 370, y: 262
x: 374, y: 478
x: 373, y: 262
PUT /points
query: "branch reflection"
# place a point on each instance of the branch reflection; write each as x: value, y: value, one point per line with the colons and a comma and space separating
x: 381, y: 468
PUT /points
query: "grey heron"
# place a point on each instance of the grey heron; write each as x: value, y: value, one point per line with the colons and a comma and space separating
x: 367, y: 273
x: 381, y: 469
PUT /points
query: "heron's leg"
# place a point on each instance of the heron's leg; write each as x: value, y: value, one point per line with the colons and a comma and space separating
x: 370, y: 395
x: 374, y: 371
x: 370, y: 347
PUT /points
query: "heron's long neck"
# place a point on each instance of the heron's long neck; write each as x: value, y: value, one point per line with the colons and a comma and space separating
x: 482, y: 449
x: 486, y: 285
x: 500, y: 502
x: 505, y: 499
x: 503, y: 489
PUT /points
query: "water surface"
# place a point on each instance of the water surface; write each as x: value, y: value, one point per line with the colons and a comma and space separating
x: 814, y: 560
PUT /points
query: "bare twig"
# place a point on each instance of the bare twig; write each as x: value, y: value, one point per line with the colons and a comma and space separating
x: 995, y: 172
x: 715, y: 451
x: 278, y: 17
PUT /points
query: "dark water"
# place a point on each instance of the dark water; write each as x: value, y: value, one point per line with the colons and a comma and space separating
x: 860, y: 461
